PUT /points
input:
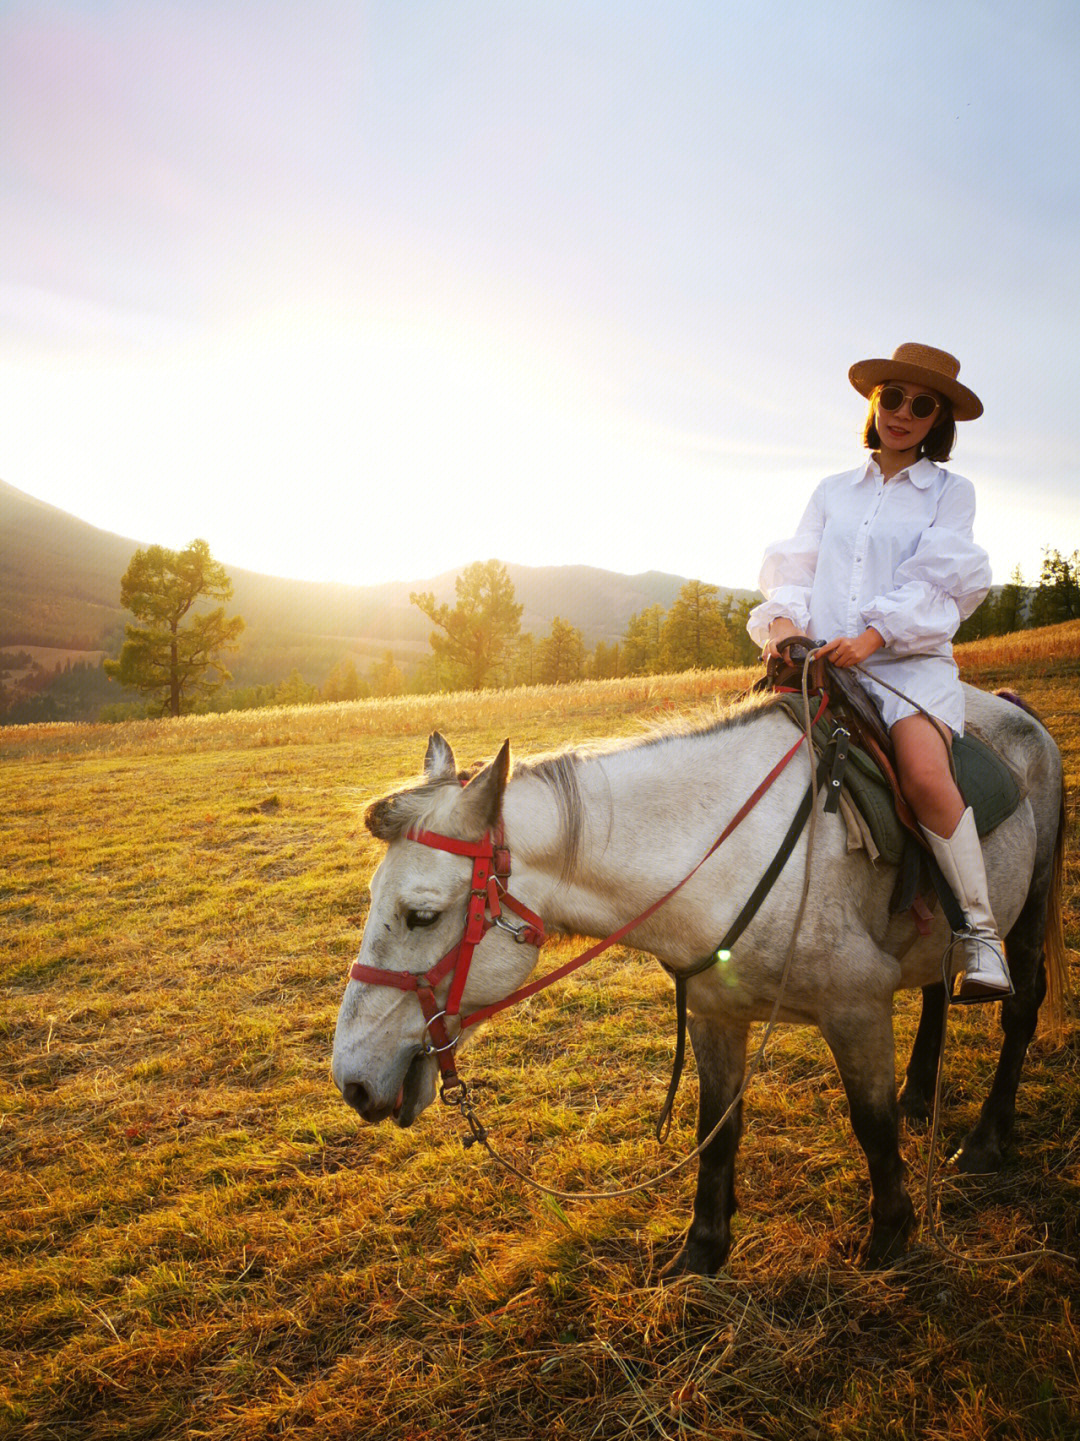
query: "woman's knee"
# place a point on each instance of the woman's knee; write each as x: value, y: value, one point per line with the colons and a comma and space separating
x: 923, y: 786
x: 922, y: 762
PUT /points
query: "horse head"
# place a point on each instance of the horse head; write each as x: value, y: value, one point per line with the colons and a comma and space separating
x: 383, y: 1060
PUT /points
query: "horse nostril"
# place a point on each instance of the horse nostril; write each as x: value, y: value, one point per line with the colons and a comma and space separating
x: 356, y: 1095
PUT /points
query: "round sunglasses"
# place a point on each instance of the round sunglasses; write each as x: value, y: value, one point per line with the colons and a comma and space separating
x: 891, y: 397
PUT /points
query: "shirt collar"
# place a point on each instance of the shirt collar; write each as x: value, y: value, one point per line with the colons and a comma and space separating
x: 920, y: 474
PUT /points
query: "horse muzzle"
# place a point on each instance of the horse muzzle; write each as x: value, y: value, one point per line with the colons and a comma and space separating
x: 415, y: 1094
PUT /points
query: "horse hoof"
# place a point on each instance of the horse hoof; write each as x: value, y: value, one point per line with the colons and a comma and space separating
x: 914, y: 1108
x: 978, y: 1157
x: 883, y: 1255
x: 695, y: 1258
x: 888, y: 1244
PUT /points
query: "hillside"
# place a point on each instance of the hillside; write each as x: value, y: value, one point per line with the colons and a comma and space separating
x: 60, y: 587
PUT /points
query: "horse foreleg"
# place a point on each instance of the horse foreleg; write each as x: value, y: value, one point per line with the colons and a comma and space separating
x: 720, y: 1052
x: 862, y: 1044
x: 917, y: 1097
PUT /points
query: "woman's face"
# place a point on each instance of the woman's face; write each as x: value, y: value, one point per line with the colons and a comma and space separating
x: 899, y: 429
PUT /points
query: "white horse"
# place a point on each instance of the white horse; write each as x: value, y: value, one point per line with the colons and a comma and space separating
x: 596, y: 834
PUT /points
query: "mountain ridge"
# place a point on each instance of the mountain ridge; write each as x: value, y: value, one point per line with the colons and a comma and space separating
x: 60, y: 587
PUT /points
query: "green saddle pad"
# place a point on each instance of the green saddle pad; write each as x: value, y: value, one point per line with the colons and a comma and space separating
x: 986, y: 783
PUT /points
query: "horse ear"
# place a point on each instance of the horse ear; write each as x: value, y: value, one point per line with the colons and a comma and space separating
x: 383, y: 819
x: 483, y: 796
x: 439, y: 763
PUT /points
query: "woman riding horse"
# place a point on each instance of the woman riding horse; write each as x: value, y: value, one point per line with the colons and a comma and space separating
x: 884, y: 566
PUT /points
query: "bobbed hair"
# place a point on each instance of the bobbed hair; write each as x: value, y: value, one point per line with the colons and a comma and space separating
x: 939, y: 441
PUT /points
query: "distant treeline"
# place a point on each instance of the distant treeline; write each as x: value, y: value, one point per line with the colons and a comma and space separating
x: 1017, y: 606
x: 31, y: 693
x: 701, y: 630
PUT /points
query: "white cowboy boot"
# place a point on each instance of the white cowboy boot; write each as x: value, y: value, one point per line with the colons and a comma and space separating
x: 982, y: 960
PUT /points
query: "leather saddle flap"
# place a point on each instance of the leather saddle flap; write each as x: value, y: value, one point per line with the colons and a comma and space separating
x: 986, y: 783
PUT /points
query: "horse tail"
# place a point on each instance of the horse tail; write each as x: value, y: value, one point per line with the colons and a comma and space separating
x: 1018, y: 700
x: 1055, y: 955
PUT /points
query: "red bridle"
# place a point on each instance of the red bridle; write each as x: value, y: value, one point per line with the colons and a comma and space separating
x: 488, y: 898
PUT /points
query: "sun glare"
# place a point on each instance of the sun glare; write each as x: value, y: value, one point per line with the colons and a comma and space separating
x: 363, y: 448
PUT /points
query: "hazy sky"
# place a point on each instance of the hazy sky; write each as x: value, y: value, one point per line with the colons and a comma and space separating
x: 366, y: 291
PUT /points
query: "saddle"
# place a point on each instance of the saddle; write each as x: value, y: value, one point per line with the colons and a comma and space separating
x: 867, y: 773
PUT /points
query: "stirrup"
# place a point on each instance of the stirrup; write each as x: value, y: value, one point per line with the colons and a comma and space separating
x: 985, y: 976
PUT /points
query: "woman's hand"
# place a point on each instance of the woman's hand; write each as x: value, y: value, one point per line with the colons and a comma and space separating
x: 779, y: 630
x: 848, y: 650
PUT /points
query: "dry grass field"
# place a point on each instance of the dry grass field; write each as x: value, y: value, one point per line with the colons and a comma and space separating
x: 200, y: 1241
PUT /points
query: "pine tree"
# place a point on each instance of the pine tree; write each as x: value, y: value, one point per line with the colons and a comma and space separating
x: 172, y: 656
x: 641, y: 643
x: 741, y: 649
x: 523, y: 666
x: 343, y: 683
x: 385, y: 677
x: 694, y: 633
x: 479, y: 631
x: 1058, y: 595
x: 984, y: 620
x: 562, y: 654
x: 295, y: 690
x: 1010, y: 608
x: 604, y: 663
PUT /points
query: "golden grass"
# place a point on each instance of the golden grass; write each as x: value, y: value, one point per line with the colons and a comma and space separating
x: 200, y: 1240
x: 529, y: 710
x: 1021, y: 651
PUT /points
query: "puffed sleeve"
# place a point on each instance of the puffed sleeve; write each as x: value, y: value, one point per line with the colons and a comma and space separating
x: 939, y: 584
x: 787, y: 573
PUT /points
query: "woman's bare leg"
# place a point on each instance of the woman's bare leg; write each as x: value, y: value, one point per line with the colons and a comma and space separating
x: 922, y: 764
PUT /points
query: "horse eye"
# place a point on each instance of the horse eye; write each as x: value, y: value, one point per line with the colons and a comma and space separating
x: 414, y: 919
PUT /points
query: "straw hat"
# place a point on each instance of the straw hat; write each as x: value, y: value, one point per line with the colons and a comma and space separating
x: 924, y: 365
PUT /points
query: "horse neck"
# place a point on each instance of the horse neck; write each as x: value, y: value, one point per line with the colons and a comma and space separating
x: 650, y: 813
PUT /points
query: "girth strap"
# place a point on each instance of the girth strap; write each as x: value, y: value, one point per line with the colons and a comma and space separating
x: 734, y: 931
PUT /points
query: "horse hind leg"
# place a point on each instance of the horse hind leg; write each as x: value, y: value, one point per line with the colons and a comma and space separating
x: 983, y: 1148
x: 1035, y: 950
x: 720, y: 1052
x: 863, y: 1048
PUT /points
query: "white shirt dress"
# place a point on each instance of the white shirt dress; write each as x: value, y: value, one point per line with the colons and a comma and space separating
x: 897, y: 555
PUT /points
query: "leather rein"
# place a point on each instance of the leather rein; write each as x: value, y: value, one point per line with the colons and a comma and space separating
x: 490, y: 899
